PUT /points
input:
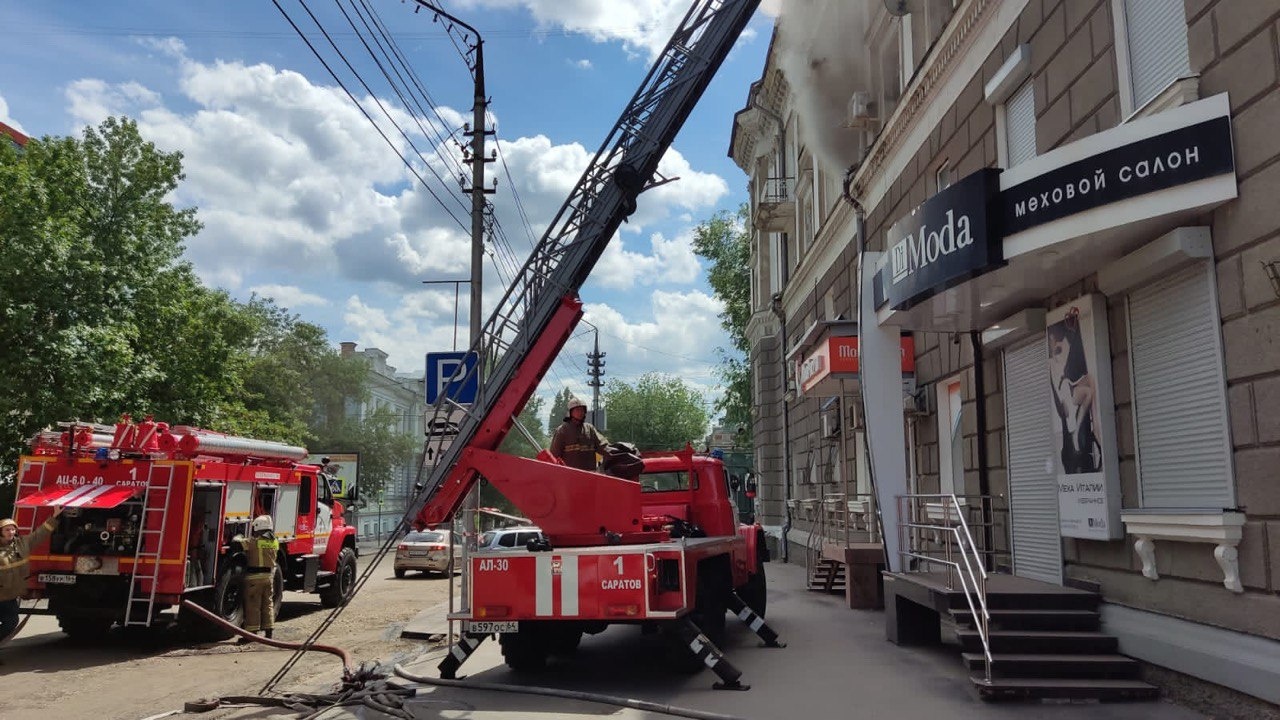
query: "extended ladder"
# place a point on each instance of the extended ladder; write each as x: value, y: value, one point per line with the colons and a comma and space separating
x: 151, y: 527
x: 604, y: 197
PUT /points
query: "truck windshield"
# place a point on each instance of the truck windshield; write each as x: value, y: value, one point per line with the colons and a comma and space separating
x: 664, y: 481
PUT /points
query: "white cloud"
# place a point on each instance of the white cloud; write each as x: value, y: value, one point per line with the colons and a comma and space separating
x: 643, y: 26
x: 93, y: 100
x: 7, y: 119
x: 670, y: 262
x: 583, y: 64
x: 289, y: 296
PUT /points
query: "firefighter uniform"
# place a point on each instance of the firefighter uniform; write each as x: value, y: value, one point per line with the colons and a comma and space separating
x: 15, y: 555
x: 261, y: 550
x: 577, y: 442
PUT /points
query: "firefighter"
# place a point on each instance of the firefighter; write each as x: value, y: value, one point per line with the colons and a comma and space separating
x: 261, y: 548
x: 576, y: 442
x: 15, y: 551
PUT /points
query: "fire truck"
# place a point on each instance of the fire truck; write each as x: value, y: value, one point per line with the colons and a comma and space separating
x: 658, y: 547
x: 149, y: 515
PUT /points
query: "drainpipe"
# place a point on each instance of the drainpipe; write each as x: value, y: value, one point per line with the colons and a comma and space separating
x: 984, y: 482
x: 781, y: 313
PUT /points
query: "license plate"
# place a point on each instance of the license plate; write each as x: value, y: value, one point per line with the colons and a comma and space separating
x: 56, y: 579
x: 488, y: 627
x: 419, y: 553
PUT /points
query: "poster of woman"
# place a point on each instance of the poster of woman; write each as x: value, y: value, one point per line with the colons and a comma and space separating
x: 1082, y: 410
x: 1074, y: 391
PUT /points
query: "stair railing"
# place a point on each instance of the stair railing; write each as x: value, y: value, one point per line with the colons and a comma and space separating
x: 943, y: 516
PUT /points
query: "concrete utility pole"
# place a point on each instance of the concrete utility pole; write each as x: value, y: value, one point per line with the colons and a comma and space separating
x: 595, y: 369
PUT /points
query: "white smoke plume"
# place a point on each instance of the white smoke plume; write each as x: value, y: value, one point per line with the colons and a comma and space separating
x: 821, y: 47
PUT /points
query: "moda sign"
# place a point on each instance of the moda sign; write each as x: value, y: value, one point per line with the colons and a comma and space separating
x: 945, y: 241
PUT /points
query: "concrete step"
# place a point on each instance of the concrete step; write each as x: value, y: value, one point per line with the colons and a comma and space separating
x: 1024, y: 619
x: 1039, y: 641
x: 1030, y: 665
x: 1063, y: 688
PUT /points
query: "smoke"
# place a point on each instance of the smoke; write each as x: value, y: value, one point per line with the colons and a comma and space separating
x: 821, y: 49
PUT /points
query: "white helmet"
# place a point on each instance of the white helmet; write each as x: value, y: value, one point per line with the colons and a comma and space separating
x: 576, y: 403
x: 263, y: 523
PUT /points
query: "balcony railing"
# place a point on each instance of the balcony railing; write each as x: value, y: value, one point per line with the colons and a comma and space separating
x: 775, y: 205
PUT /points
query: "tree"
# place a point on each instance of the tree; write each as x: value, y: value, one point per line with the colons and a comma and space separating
x: 515, y: 443
x: 725, y: 241
x: 99, y: 314
x: 559, y: 409
x: 659, y: 412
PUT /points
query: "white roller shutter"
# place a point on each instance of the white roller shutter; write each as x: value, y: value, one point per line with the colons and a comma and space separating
x: 1179, y: 392
x: 1033, y: 490
x: 1157, y: 34
x: 1020, y: 124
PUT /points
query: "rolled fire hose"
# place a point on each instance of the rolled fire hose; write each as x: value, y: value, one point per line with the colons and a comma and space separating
x: 215, y: 619
x: 569, y: 695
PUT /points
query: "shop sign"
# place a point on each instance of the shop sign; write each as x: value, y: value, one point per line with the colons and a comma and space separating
x: 837, y: 357
x: 1081, y: 407
x: 1159, y: 162
x: 943, y: 242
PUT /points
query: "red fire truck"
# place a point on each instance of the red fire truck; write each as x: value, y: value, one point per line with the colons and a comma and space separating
x: 149, y: 512
x: 657, y: 546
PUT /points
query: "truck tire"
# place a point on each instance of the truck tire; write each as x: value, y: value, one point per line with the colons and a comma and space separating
x: 565, y: 642
x: 524, y: 651
x: 754, y: 593
x: 343, y: 583
x: 85, y: 629
x: 227, y: 603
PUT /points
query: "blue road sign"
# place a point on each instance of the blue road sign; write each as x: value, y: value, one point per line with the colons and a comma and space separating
x: 441, y: 367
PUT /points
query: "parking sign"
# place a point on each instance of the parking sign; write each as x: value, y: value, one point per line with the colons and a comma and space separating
x: 441, y: 367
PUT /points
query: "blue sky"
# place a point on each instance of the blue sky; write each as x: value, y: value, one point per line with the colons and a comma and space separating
x: 303, y: 201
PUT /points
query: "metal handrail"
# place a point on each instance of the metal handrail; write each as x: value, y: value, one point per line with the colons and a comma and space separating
x: 973, y: 582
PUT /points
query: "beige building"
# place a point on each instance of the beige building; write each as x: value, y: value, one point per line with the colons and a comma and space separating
x: 1066, y: 211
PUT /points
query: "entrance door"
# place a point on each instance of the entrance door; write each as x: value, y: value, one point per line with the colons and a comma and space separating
x: 1033, y: 493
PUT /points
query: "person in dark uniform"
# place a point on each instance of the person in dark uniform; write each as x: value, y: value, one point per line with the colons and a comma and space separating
x: 261, y: 549
x: 577, y: 442
x: 15, y: 553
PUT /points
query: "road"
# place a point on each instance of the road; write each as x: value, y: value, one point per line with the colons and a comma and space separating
x: 128, y: 677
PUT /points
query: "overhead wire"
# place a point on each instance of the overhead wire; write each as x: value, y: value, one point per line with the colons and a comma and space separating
x: 366, y: 114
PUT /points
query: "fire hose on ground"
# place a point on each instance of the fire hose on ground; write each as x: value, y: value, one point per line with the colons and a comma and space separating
x: 360, y: 686
x: 568, y: 695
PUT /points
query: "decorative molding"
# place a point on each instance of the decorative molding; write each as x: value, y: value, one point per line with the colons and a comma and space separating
x: 1221, y: 528
x: 954, y: 43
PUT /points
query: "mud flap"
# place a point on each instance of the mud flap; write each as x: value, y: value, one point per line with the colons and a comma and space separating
x: 711, y: 656
x: 458, y: 654
x: 754, y: 621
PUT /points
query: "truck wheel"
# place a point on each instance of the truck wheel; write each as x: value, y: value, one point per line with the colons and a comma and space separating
x: 343, y: 583
x: 524, y: 651
x: 228, y: 604
x: 754, y: 593
x: 85, y: 629
x: 565, y: 642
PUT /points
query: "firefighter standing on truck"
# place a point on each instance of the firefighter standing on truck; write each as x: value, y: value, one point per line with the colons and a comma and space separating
x: 576, y: 442
x: 261, y: 549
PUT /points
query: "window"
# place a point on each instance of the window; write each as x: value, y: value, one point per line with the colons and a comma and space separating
x: 950, y: 436
x: 1151, y: 40
x: 1020, y: 125
x: 1179, y: 392
x: 942, y: 178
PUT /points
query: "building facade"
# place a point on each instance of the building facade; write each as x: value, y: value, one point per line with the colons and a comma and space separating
x: 402, y: 394
x: 1062, y: 212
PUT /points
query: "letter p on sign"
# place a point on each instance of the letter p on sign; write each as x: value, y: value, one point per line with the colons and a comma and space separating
x: 450, y: 374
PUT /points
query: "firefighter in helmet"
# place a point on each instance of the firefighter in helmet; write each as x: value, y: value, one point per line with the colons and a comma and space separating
x: 261, y: 548
x: 576, y: 442
x: 15, y: 552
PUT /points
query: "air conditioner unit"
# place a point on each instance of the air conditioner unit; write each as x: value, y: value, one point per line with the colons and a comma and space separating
x: 861, y: 111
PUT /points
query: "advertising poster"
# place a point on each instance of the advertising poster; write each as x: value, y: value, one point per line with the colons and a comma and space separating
x: 339, y: 470
x: 1082, y: 409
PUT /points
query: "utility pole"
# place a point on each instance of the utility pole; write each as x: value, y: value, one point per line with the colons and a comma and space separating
x: 595, y: 369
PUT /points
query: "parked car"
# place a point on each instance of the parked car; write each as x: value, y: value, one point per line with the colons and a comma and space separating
x: 513, y: 538
x: 427, y: 550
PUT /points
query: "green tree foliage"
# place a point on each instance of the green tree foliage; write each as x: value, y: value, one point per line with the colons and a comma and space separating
x: 515, y: 443
x: 559, y: 409
x: 725, y: 241
x: 99, y: 314
x: 658, y: 412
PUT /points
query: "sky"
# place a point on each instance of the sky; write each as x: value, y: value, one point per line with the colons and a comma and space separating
x: 304, y: 200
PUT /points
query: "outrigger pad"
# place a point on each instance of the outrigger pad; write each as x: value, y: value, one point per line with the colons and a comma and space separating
x: 711, y: 656
x: 458, y: 654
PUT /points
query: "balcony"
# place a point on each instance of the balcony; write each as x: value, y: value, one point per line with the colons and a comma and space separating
x: 775, y: 205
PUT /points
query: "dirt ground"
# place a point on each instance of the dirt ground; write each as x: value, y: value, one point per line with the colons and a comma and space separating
x: 129, y: 678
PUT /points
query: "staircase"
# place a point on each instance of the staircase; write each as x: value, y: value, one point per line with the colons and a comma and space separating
x: 1045, y: 643
x: 827, y: 576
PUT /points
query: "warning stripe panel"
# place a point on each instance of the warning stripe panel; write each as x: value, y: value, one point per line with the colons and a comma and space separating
x: 83, y: 496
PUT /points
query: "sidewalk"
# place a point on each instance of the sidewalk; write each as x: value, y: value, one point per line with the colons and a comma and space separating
x: 837, y: 664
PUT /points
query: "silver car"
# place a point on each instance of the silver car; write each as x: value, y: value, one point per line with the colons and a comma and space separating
x: 427, y: 550
x: 509, y: 538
